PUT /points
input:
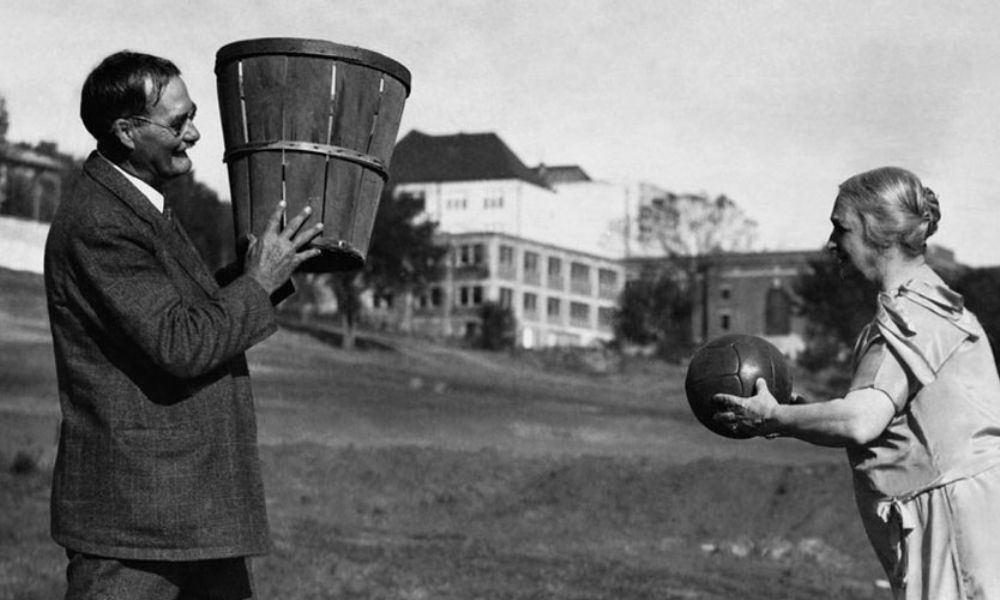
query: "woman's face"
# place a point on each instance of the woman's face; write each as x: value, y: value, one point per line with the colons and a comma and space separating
x: 847, y: 242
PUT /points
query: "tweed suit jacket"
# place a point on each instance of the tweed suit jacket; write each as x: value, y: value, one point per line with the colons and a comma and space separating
x: 157, y: 455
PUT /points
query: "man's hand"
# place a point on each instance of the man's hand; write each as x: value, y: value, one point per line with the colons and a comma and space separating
x: 273, y: 257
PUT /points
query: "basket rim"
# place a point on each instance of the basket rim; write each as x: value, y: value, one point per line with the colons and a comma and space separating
x: 311, y: 47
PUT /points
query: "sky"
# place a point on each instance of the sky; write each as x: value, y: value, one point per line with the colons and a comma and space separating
x: 772, y: 103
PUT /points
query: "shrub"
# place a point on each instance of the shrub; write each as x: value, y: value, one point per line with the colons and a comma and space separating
x: 499, y: 327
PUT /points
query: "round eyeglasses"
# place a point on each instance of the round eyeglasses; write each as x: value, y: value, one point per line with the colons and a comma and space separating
x: 175, y: 129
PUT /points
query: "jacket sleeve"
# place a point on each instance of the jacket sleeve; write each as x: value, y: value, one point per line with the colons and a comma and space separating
x: 229, y: 273
x: 138, y: 290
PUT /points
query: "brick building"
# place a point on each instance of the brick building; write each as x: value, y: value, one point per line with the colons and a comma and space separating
x: 743, y: 292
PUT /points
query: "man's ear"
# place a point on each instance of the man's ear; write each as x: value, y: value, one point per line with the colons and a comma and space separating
x: 124, y: 131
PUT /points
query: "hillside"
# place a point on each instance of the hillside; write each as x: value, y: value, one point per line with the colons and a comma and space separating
x: 21, y: 244
x: 412, y: 470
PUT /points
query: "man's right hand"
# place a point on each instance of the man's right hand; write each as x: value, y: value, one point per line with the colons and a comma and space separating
x: 272, y: 258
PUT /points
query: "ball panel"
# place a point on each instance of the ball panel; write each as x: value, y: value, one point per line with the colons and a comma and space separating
x: 731, y: 364
x: 703, y: 408
x: 712, y: 361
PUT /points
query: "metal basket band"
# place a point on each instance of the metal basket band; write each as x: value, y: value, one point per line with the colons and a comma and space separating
x: 365, y: 160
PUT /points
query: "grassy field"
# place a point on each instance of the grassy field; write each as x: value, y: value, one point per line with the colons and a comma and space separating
x: 409, y: 470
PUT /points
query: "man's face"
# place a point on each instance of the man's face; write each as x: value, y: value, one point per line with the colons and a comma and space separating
x: 163, y: 136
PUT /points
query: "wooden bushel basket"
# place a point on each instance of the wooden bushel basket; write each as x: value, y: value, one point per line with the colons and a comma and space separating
x: 313, y: 123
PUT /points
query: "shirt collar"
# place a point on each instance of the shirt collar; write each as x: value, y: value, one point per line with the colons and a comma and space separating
x: 155, y: 197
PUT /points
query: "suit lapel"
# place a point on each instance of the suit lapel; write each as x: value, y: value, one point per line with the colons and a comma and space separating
x: 188, y: 256
x: 168, y: 231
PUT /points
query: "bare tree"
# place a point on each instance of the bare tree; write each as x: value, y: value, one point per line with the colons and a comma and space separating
x: 688, y: 225
x: 4, y: 119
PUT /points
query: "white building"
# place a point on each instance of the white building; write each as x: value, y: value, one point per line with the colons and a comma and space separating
x: 474, y: 182
x: 548, y: 242
x: 594, y: 216
x: 558, y: 296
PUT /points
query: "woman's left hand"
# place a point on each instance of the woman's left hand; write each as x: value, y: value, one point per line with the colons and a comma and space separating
x: 752, y: 414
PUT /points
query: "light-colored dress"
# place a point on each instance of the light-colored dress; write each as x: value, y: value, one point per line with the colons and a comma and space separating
x: 928, y: 488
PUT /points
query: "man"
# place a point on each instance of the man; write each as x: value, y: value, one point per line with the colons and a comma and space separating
x: 157, y: 489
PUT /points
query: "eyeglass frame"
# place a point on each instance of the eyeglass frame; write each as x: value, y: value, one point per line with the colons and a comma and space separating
x: 177, y: 131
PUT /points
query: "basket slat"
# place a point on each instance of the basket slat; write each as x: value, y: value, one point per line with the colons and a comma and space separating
x: 389, y: 116
x: 315, y: 123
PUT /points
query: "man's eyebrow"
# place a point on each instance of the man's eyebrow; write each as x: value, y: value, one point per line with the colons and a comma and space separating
x: 186, y: 115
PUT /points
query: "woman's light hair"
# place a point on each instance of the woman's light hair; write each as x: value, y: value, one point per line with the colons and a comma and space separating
x: 894, y: 207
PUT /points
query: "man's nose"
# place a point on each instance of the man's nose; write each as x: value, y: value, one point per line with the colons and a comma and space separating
x: 191, y: 133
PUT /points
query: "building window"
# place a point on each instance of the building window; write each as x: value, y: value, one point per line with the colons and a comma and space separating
x: 555, y: 280
x: 471, y: 254
x: 530, y: 302
x: 506, y: 297
x: 470, y: 295
x: 579, y: 313
x: 607, y: 283
x: 430, y: 298
x: 725, y: 292
x: 457, y: 203
x: 530, y: 262
x: 493, y: 202
x: 724, y: 322
x: 579, y: 279
x: 506, y: 255
x: 605, y: 317
x: 607, y: 278
x: 555, y: 267
x: 777, y: 312
x: 552, y: 307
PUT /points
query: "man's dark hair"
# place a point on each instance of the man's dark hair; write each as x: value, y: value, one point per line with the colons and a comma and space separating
x: 116, y: 88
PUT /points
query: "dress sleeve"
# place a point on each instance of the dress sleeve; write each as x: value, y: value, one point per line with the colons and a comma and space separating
x: 923, y: 327
x: 878, y: 368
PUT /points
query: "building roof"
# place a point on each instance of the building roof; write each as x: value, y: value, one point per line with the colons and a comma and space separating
x: 26, y: 157
x: 734, y: 259
x: 422, y: 158
x: 556, y: 174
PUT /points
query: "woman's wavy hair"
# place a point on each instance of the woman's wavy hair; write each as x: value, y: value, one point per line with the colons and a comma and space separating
x: 895, y: 208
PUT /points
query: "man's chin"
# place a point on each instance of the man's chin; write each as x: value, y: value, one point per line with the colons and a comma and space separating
x: 181, y: 164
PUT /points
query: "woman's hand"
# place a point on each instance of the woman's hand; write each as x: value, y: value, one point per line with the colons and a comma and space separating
x: 754, y: 414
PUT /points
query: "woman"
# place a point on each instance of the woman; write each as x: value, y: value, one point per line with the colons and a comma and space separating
x: 921, y: 422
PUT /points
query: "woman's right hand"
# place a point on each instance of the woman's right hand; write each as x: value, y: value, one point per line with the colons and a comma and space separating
x: 753, y: 413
